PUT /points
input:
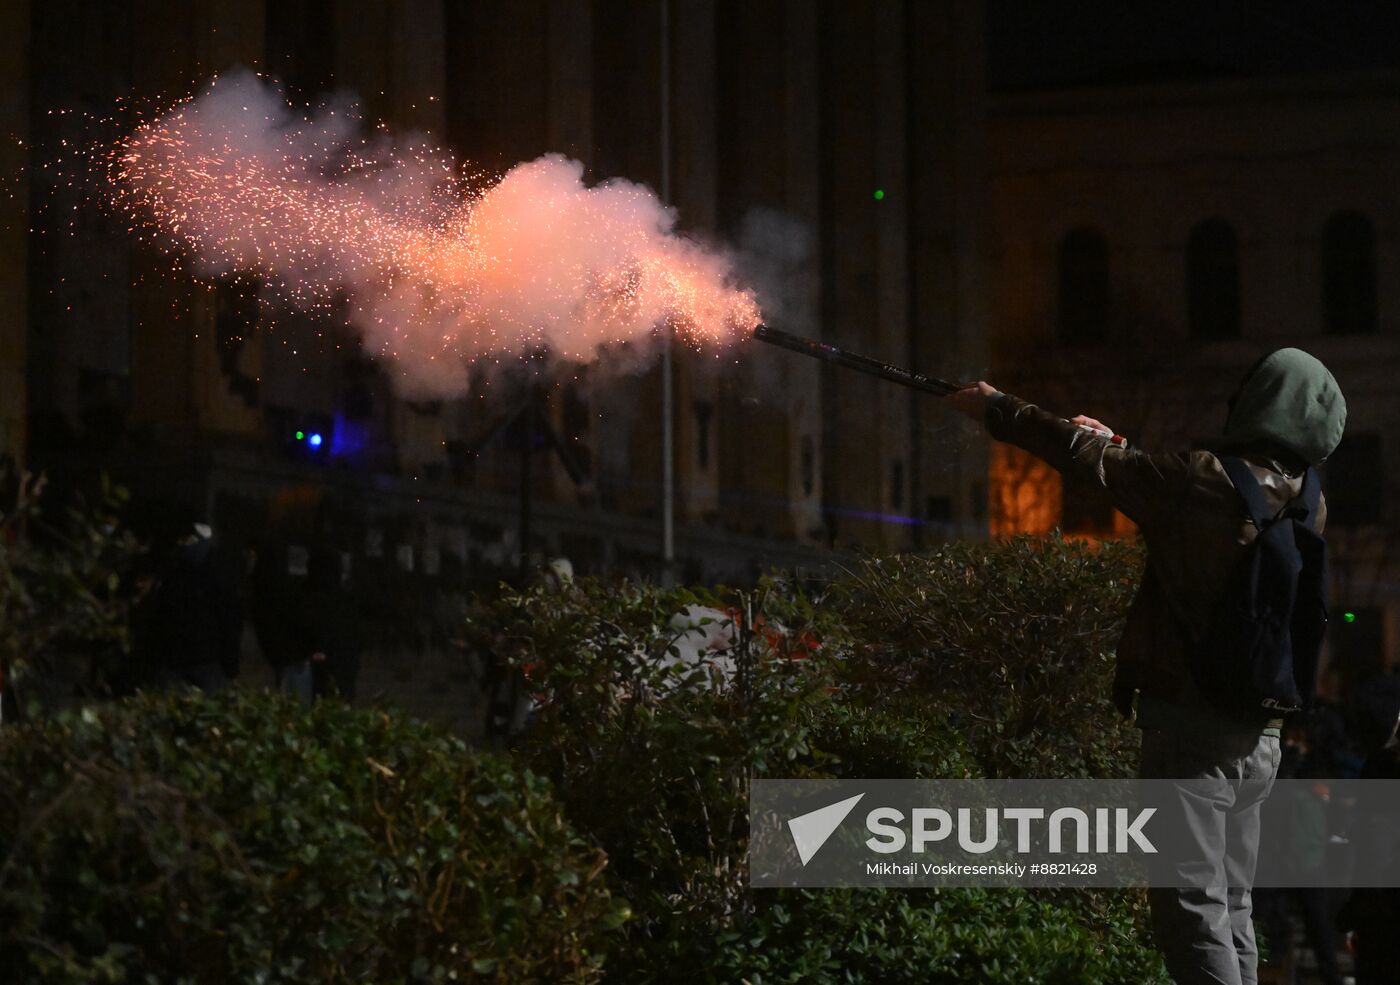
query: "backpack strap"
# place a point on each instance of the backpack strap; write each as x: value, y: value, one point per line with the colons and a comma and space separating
x: 1247, y: 486
x: 1304, y: 505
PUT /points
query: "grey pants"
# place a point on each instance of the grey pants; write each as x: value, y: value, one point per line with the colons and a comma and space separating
x: 296, y: 678
x: 1206, y: 934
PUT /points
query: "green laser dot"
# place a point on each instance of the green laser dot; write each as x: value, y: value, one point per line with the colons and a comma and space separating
x: 300, y: 435
x: 1349, y: 616
x: 879, y: 194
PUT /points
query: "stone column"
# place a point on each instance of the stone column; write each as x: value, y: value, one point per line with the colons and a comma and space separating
x: 693, y: 184
x: 762, y: 130
x: 889, y: 91
x: 948, y: 199
x: 392, y: 55
x: 802, y: 202
x: 227, y: 361
x: 569, y: 109
x: 14, y: 225
x: 569, y: 130
x: 179, y: 386
x: 864, y: 419
x: 165, y: 310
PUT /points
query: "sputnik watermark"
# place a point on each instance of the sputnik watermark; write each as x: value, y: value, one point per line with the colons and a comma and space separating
x: 1040, y: 832
x: 885, y: 824
x: 1016, y: 869
x: 810, y: 830
x: 1113, y: 830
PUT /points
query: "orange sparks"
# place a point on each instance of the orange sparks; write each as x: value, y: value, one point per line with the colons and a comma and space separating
x: 433, y: 266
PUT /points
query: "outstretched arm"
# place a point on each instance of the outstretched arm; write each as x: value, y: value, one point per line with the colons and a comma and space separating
x: 1144, y: 487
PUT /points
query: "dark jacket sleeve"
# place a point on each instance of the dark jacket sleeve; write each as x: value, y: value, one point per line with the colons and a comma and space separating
x: 1145, y: 488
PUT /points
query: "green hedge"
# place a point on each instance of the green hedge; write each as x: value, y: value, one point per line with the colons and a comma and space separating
x: 1012, y: 642
x: 243, y: 839
x: 975, y: 661
x: 930, y: 937
x: 66, y: 593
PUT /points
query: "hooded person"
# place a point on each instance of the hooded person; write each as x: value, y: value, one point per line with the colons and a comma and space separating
x: 1287, y: 416
x: 1289, y: 405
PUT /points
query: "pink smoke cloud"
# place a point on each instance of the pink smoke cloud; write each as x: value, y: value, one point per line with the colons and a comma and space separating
x: 434, y: 267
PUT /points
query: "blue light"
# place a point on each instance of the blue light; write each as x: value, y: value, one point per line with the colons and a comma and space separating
x: 315, y: 439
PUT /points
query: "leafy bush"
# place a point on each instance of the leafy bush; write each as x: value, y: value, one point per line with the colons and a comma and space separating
x: 245, y: 839
x: 652, y: 757
x: 973, y: 936
x: 63, y: 598
x: 855, y: 741
x: 242, y: 838
x: 1012, y: 642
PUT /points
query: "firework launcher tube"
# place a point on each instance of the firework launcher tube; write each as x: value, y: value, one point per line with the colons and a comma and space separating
x: 861, y: 364
x: 873, y: 367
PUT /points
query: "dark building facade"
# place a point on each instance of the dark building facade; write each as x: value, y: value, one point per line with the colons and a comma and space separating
x: 1114, y: 221
x: 836, y: 146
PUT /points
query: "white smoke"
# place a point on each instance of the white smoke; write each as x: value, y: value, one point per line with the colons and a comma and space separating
x: 434, y: 267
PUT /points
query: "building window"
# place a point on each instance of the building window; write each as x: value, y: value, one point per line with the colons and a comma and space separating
x: 1353, y: 480
x: 1082, y: 314
x: 1213, y: 281
x: 1348, y: 274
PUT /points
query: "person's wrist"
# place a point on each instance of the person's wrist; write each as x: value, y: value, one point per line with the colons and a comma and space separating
x: 994, y: 413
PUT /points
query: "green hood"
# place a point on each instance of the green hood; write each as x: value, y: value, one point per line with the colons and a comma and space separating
x: 1288, y: 400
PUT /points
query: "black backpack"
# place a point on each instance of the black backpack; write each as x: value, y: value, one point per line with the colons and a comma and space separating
x: 1259, y: 657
